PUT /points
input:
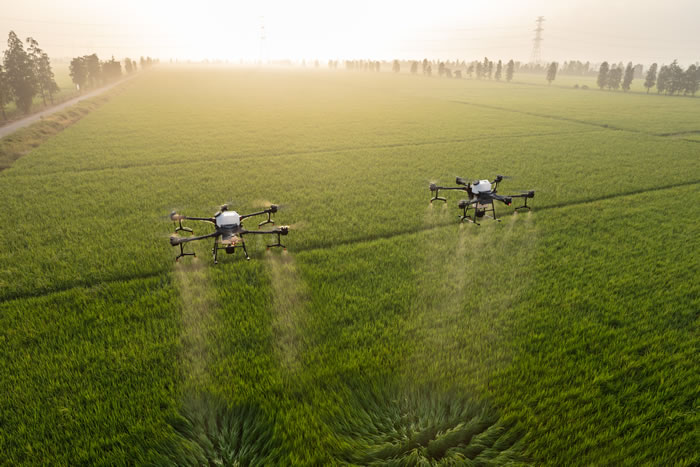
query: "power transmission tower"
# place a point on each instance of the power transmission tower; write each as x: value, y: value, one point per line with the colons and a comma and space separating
x: 263, y: 50
x: 537, y: 41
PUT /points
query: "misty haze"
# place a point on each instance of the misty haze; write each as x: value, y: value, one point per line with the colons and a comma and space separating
x: 349, y: 233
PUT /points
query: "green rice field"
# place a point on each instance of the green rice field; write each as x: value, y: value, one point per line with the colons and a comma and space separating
x: 387, y: 333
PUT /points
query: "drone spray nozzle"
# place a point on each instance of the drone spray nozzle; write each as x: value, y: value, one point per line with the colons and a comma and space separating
x: 461, y: 181
x: 433, y: 187
x: 273, y: 208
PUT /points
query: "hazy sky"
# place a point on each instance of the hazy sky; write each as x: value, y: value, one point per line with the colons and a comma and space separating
x: 615, y: 30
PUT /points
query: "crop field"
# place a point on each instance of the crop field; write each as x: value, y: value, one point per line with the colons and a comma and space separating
x: 387, y: 333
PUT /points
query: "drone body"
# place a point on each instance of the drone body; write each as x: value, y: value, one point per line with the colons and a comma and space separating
x: 229, y: 231
x: 482, y: 194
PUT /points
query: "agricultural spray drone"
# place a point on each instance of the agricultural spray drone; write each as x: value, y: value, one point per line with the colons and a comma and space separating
x: 229, y: 231
x: 482, y: 195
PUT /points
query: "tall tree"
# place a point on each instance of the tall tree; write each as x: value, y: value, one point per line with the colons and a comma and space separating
x: 603, y: 72
x: 5, y: 97
x: 662, y: 80
x: 128, y: 68
x: 20, y: 73
x: 42, y: 70
x: 479, y: 70
x: 396, y: 66
x: 94, y: 70
x: 414, y: 67
x: 509, y: 70
x: 629, y: 76
x: 552, y: 72
x: 692, y: 80
x: 490, y: 69
x: 650, y: 80
x: 470, y: 70
x: 676, y: 78
x: 614, y: 78
x: 78, y: 72
x: 499, y: 70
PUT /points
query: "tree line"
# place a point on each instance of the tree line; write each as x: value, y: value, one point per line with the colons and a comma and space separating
x: 24, y: 74
x: 669, y: 79
x: 486, y: 69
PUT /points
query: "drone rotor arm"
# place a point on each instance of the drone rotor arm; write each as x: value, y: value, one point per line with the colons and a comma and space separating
x: 204, y: 219
x: 283, y: 230
x: 269, y: 211
x: 175, y: 240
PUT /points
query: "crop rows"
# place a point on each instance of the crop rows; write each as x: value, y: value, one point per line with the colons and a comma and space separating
x: 388, y: 332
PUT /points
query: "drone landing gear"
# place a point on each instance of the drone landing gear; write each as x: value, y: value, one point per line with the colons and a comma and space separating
x: 524, y: 206
x: 436, y: 197
x: 268, y: 221
x: 230, y: 249
x: 278, y: 244
x: 480, y: 210
x: 182, y: 253
x: 184, y: 229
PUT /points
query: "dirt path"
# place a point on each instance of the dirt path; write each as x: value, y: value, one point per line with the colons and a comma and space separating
x: 26, y: 121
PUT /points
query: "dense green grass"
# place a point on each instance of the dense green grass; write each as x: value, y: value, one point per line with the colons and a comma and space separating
x: 388, y: 332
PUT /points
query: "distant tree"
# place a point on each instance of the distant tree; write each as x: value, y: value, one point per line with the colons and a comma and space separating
x: 509, y: 70
x: 458, y: 74
x: 603, y: 72
x: 490, y: 69
x: 676, y: 78
x: 5, y: 96
x: 499, y: 70
x: 691, y: 81
x: 414, y: 67
x: 485, y: 68
x: 42, y: 70
x: 614, y: 78
x: 129, y: 69
x: 629, y: 76
x: 94, y: 69
x: 650, y: 80
x: 470, y: 70
x: 429, y: 70
x: 662, y: 80
x: 424, y: 66
x: 111, y: 70
x: 78, y: 72
x: 479, y: 70
x: 552, y: 72
x: 448, y: 73
x: 20, y: 73
x: 395, y: 66
x: 441, y: 69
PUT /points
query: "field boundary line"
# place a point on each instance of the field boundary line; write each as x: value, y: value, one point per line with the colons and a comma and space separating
x: 424, y: 228
x: 604, y: 126
x: 297, y: 153
x: 80, y: 284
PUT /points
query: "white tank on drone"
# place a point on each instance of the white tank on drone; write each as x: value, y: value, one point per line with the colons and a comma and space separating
x: 481, y: 186
x: 228, y: 219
